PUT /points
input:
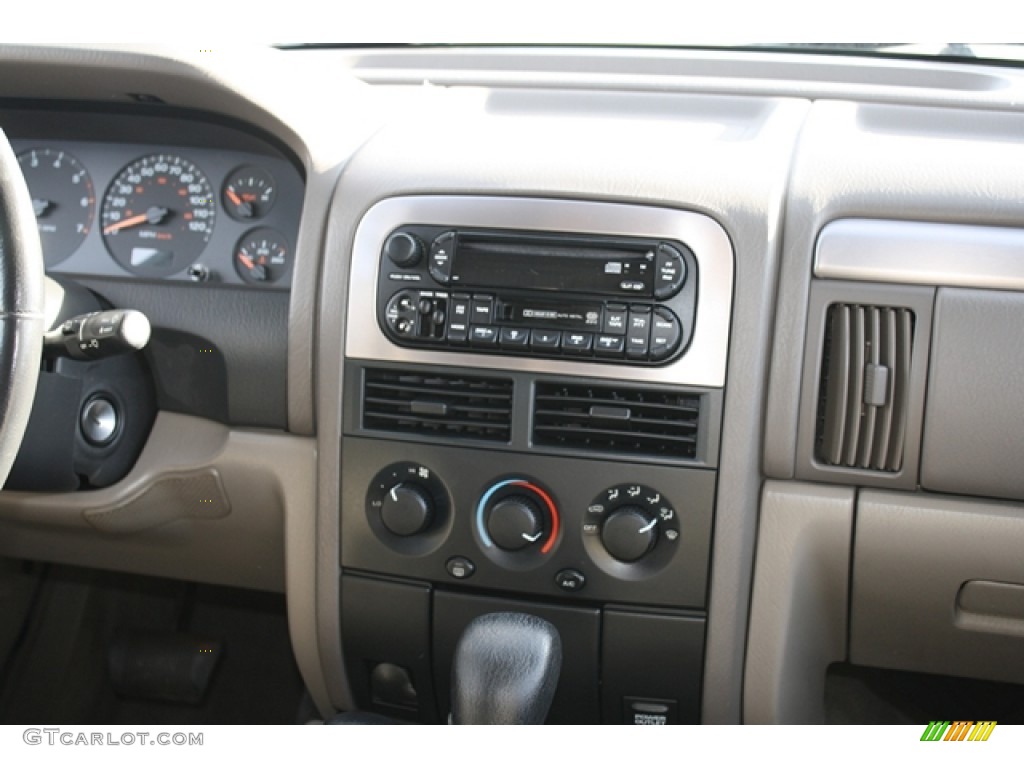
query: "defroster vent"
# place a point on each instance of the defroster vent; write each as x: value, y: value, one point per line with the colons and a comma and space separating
x: 616, y: 420
x: 442, y: 405
x: 864, y: 386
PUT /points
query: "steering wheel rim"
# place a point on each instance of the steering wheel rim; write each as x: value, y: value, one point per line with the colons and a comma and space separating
x: 22, y: 299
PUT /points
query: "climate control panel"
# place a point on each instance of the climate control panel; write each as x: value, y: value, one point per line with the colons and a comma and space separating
x: 566, y: 527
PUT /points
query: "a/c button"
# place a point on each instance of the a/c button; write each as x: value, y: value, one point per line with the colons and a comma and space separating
x: 570, y: 580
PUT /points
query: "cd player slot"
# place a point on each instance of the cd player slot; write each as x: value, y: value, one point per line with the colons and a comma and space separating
x: 554, y: 265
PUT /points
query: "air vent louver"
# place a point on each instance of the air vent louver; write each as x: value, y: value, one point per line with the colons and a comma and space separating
x: 616, y: 420
x: 865, y: 380
x: 470, y: 407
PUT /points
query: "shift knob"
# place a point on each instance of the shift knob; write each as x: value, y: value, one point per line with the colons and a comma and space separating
x: 505, y: 670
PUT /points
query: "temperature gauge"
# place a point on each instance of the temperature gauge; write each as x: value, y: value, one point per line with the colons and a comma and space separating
x: 262, y: 257
x: 249, y: 193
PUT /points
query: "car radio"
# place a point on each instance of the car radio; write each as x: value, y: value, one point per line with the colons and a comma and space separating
x: 609, y: 299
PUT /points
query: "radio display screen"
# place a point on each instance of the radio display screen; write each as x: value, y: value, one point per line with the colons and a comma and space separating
x: 538, y: 266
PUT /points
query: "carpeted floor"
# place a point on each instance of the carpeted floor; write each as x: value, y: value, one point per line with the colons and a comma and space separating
x: 60, y: 622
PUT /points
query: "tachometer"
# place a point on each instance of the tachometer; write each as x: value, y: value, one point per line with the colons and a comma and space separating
x: 158, y: 215
x: 63, y: 199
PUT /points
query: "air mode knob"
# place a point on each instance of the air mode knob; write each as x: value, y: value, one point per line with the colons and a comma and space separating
x: 406, y: 509
x: 404, y: 249
x: 629, y: 533
x: 515, y: 523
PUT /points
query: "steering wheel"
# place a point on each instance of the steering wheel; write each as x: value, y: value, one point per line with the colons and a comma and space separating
x: 22, y: 297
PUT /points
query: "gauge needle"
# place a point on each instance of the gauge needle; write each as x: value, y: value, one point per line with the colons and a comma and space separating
x: 40, y: 207
x: 154, y: 215
x: 244, y: 208
x: 246, y: 260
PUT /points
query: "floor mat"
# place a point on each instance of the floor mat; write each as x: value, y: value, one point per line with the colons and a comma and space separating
x: 58, y: 673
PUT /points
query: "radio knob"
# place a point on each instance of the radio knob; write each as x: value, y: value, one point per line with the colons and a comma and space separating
x: 515, y: 523
x: 404, y: 249
x: 629, y: 533
x: 406, y: 509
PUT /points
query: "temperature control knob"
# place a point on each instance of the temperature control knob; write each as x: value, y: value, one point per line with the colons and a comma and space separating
x: 515, y: 523
x: 406, y: 509
x: 629, y: 533
x: 403, y: 249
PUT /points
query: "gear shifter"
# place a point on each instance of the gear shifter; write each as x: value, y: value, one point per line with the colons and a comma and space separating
x: 505, y: 670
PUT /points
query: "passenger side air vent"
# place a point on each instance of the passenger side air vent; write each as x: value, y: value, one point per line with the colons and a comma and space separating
x: 616, y: 420
x: 864, y: 386
x: 471, y: 407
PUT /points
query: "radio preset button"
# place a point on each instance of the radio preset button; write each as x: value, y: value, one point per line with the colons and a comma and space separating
x: 638, y: 333
x: 514, y: 338
x: 483, y: 335
x: 670, y: 272
x: 545, y: 341
x: 442, y: 251
x: 666, y: 333
x: 615, y: 316
x: 609, y: 346
x: 577, y: 343
x: 482, y: 309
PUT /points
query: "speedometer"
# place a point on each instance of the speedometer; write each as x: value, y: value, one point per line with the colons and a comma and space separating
x: 158, y: 215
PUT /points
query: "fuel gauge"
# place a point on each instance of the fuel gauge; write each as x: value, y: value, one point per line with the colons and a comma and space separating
x: 262, y: 256
x: 249, y: 193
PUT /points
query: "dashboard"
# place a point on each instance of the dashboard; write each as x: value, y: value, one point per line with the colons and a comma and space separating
x: 701, y: 356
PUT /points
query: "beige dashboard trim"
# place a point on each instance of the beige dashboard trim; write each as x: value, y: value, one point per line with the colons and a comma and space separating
x: 798, y: 610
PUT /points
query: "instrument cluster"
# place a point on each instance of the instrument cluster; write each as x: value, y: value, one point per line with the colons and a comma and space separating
x: 162, y: 212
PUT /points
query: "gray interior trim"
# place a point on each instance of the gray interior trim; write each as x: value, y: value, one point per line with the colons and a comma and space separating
x: 975, y: 413
x: 703, y: 363
x: 917, y: 617
x: 921, y: 253
x: 799, y: 603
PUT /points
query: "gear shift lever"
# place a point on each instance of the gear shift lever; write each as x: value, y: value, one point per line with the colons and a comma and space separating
x: 505, y: 670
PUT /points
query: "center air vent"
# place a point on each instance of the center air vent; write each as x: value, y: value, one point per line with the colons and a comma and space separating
x: 471, y: 407
x: 864, y: 387
x: 616, y: 420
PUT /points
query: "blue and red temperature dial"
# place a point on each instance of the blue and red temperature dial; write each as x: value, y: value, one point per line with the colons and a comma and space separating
x: 518, y: 515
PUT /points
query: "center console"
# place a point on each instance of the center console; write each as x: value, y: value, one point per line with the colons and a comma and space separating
x: 534, y: 394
